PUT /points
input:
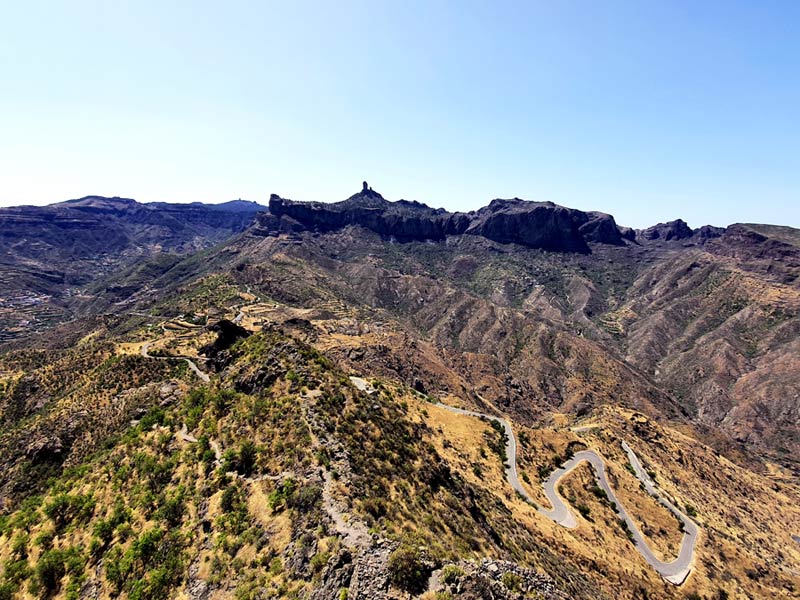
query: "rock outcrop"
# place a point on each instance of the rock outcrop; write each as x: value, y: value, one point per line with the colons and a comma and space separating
x: 499, y: 579
x: 228, y: 333
x: 402, y: 220
x: 534, y: 224
x: 673, y: 230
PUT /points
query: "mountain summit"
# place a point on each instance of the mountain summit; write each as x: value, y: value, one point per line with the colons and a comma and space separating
x: 542, y: 225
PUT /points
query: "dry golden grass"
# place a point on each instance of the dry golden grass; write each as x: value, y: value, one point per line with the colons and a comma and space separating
x: 745, y: 531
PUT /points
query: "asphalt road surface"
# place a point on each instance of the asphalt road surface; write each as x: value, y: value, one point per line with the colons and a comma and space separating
x: 675, y: 571
x: 189, y: 361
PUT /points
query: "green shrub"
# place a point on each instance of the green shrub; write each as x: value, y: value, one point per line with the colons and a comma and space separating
x: 7, y: 590
x: 231, y: 498
x: 156, y: 585
x: 149, y: 568
x: 156, y: 473
x: 63, y: 509
x: 222, y: 401
x: 155, y: 416
x: 512, y: 581
x: 104, y: 530
x: 599, y: 492
x: 248, y: 453
x: 544, y: 470
x: 305, y: 498
x: 498, y: 445
x: 171, y: 509
x: 407, y: 569
x: 243, y: 460
x: 50, y: 568
x: 279, y: 497
x: 450, y: 574
x: 45, y: 539
x: 318, y: 561
x: 19, y: 545
x: 374, y: 507
x: 118, y: 567
x: 16, y: 571
x: 96, y: 547
x: 275, y: 566
x: 628, y: 533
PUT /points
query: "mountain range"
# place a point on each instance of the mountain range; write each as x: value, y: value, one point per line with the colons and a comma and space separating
x: 240, y: 400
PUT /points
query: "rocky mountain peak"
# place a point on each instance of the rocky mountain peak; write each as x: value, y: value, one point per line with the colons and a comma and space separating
x: 367, y: 197
x: 542, y: 225
x: 672, y: 230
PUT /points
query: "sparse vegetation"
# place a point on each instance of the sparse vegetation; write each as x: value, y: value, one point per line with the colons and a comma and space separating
x: 407, y: 568
x: 133, y: 504
x: 512, y: 581
x: 450, y: 574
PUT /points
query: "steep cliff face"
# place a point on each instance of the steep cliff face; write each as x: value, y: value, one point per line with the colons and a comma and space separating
x: 603, y: 229
x: 544, y: 225
x: 541, y: 225
x: 402, y: 220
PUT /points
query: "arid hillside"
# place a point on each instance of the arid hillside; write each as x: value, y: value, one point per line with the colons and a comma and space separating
x: 268, y: 417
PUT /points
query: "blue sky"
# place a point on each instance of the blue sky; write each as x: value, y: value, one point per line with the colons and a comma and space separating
x: 647, y: 110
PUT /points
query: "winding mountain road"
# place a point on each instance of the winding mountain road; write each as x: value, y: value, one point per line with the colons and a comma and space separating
x: 674, y: 572
x: 145, y: 351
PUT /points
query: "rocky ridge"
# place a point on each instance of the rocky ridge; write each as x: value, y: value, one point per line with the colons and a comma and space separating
x: 542, y: 225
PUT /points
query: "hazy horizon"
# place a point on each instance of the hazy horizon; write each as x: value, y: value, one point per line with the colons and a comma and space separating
x: 647, y: 111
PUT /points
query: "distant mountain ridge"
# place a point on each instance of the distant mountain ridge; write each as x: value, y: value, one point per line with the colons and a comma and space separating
x: 542, y: 225
x: 86, y: 227
x: 50, y: 254
x: 46, y: 250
